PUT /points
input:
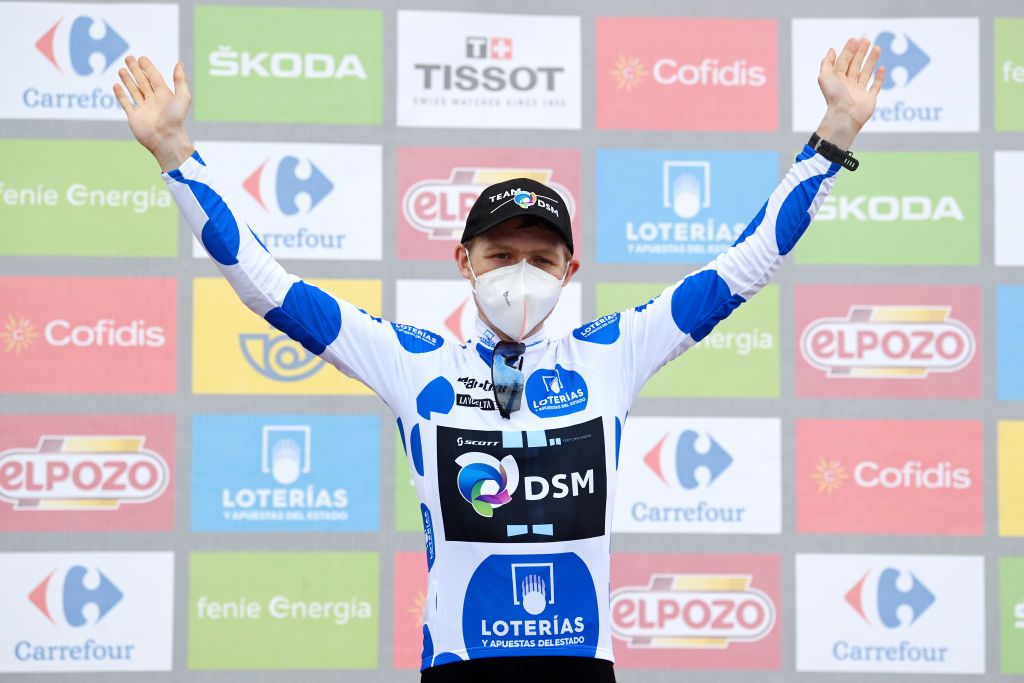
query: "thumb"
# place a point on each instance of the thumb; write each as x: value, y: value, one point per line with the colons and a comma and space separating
x: 829, y: 62
x: 180, y: 82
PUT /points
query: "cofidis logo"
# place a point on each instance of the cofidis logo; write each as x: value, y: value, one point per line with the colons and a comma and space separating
x: 896, y: 613
x: 447, y: 308
x: 911, y: 342
x: 919, y: 57
x: 287, y: 64
x: 677, y: 207
x: 309, y: 201
x: 285, y: 473
x: 438, y: 186
x: 86, y: 612
x: 95, y: 472
x: 889, y: 477
x: 236, y: 351
x: 88, y: 335
x: 478, y: 70
x: 283, y: 610
x: 696, y: 611
x: 67, y: 55
x: 686, y: 74
x: 699, y: 475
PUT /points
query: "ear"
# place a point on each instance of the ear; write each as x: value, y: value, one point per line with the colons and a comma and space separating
x: 574, y: 265
x: 462, y: 261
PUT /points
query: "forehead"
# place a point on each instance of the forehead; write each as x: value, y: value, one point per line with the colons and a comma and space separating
x: 522, y: 233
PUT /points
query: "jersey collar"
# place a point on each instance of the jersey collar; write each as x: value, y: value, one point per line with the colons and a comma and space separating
x: 487, y: 338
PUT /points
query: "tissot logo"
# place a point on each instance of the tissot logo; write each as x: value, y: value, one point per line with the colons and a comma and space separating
x: 536, y: 486
x: 518, y: 69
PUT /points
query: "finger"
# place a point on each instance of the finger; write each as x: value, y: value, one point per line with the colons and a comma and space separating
x: 153, y: 74
x: 858, y: 58
x: 869, y: 66
x: 180, y: 82
x: 123, y: 99
x: 843, y: 62
x: 879, y: 80
x: 829, y: 62
x: 129, y: 83
x: 145, y: 87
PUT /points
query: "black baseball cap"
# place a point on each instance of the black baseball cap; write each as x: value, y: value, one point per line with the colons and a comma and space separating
x: 516, y: 197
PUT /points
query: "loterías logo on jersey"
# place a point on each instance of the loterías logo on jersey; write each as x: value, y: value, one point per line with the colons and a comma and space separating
x: 528, y: 487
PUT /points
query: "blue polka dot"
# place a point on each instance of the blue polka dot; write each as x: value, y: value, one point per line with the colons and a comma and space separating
x: 427, y: 656
x: 752, y: 226
x: 793, y: 217
x: 308, y: 315
x: 415, y: 340
x: 700, y: 302
x: 446, y: 658
x: 417, y: 449
x: 437, y: 397
x: 220, y: 233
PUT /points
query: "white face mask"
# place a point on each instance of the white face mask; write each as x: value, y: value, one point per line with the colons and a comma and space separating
x: 516, y: 298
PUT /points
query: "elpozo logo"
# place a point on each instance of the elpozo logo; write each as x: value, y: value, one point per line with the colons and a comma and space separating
x: 691, y: 611
x: 888, y: 342
x: 439, y: 207
x: 82, y: 473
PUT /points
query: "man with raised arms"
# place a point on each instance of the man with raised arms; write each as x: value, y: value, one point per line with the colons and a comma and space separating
x: 516, y: 478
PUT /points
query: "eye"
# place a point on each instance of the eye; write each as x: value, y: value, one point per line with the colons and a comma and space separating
x: 502, y: 255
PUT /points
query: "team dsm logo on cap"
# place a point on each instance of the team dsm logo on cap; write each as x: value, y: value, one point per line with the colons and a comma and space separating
x: 82, y: 473
x: 685, y: 611
x: 889, y: 342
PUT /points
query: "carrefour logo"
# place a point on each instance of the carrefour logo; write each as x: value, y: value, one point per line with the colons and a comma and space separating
x: 278, y: 357
x: 82, y: 473
x: 911, y: 60
x: 276, y: 185
x: 485, y: 482
x: 688, y: 460
x: 683, y: 611
x: 880, y: 600
x: 891, y: 342
x: 78, y: 45
x: 64, y: 600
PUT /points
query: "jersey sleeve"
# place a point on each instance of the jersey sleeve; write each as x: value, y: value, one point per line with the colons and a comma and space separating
x: 360, y: 345
x: 687, y: 311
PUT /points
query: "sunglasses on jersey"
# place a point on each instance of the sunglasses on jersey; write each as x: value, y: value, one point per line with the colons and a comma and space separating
x: 507, y: 376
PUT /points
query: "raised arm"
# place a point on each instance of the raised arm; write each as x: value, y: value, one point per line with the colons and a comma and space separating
x: 359, y: 345
x: 687, y: 311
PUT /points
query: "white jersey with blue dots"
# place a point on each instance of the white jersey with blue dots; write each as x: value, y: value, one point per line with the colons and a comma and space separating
x: 516, y: 512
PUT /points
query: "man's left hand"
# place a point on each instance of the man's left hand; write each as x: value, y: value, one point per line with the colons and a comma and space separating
x: 849, y: 91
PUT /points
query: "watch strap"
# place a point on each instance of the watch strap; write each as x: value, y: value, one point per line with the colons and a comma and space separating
x: 831, y: 152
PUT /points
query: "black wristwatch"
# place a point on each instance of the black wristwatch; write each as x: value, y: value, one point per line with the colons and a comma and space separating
x: 833, y: 153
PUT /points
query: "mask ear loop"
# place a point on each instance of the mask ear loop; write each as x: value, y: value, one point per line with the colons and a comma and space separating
x: 469, y: 263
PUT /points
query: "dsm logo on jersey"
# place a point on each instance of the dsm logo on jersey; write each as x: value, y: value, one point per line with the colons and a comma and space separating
x: 86, y: 611
x: 67, y: 55
x: 236, y: 351
x: 920, y: 59
x: 677, y: 207
x: 896, y: 613
x: 306, y: 201
x: 518, y: 487
x: 699, y: 475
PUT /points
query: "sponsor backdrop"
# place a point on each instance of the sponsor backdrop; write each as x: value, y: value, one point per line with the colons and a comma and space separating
x: 832, y: 481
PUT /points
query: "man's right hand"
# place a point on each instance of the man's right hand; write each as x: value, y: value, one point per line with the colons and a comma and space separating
x: 157, y: 120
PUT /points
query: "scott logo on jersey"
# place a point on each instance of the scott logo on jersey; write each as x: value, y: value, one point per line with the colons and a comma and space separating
x: 532, y: 486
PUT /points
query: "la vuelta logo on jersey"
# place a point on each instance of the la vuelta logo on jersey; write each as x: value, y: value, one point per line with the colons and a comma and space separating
x: 691, y: 610
x: 522, y: 487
